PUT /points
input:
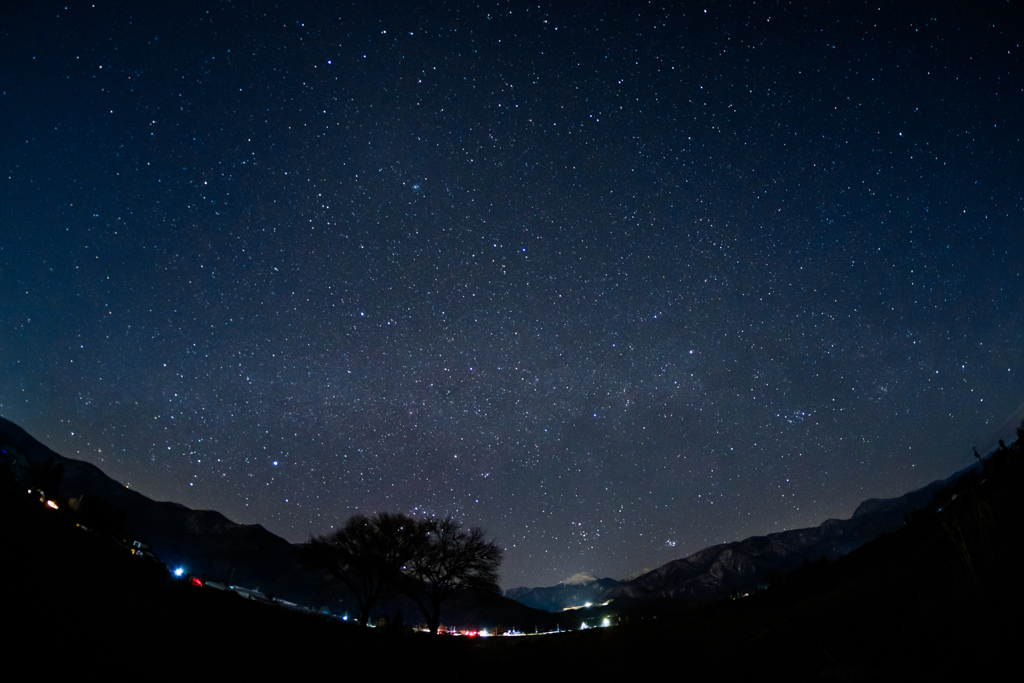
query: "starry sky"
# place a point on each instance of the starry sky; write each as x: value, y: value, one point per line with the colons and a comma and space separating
x: 615, y: 282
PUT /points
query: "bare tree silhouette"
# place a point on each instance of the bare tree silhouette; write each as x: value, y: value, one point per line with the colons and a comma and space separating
x: 449, y: 560
x: 367, y: 555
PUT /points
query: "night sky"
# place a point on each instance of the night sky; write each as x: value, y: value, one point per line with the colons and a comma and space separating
x: 615, y: 283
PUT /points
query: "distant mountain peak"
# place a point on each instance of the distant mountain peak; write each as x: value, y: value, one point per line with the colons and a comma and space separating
x: 579, y: 579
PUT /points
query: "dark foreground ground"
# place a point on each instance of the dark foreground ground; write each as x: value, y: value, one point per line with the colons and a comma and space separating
x: 937, y: 598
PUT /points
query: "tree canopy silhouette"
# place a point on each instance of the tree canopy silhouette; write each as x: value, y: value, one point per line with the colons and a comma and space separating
x: 450, y: 560
x: 428, y: 560
x: 367, y: 555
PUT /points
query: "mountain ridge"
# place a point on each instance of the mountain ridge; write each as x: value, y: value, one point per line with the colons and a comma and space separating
x: 208, y: 543
x: 725, y: 569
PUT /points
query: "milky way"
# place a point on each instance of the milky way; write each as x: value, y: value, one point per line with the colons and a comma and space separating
x: 614, y: 283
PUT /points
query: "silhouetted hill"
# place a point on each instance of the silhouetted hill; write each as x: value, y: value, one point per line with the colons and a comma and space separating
x: 936, y: 598
x: 204, y: 541
x: 210, y: 545
x: 738, y: 567
x: 741, y: 566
